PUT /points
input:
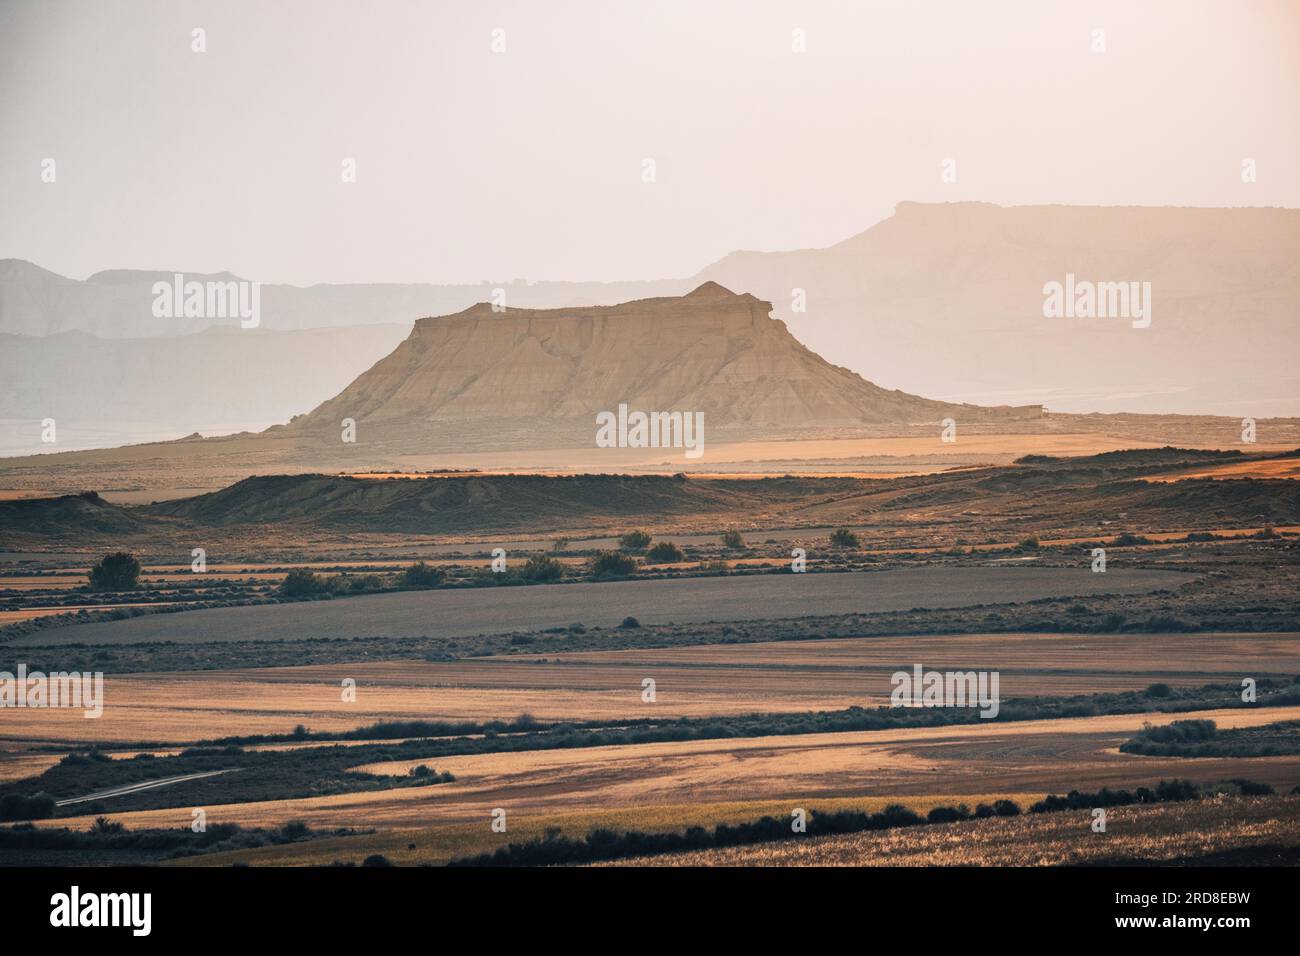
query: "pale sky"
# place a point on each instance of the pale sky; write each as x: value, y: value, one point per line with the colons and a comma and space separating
x: 477, y: 165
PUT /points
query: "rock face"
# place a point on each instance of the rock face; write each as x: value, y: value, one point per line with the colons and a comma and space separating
x: 710, y: 351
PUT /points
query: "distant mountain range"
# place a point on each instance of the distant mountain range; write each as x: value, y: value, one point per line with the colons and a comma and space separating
x: 943, y: 300
x: 947, y: 300
x: 105, y: 392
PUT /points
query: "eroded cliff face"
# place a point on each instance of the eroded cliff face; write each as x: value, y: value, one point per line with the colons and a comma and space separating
x: 712, y: 351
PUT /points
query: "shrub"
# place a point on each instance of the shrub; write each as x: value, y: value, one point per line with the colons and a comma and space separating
x: 376, y: 859
x: 541, y: 567
x: 732, y: 541
x: 294, y: 830
x: 421, y: 575
x: 301, y: 583
x: 1160, y: 690
x: 1250, y: 788
x: 1176, y: 790
x: 15, y: 806
x: 119, y: 571
x: 844, y: 538
x: 1128, y: 539
x: 629, y: 623
x: 948, y: 814
x: 1006, y: 808
x: 612, y: 564
x: 665, y: 552
x: 634, y: 541
x: 1029, y: 544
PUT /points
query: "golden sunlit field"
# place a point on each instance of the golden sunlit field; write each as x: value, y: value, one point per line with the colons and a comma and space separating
x: 706, y: 680
x: 1149, y: 834
x: 421, y: 845
x: 1025, y: 757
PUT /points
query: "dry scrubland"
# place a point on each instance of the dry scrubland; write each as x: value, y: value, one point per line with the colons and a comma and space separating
x: 467, y: 612
x: 171, y: 469
x: 1256, y: 831
x: 1247, y: 583
x: 417, y: 845
x: 1025, y: 757
x: 706, y: 680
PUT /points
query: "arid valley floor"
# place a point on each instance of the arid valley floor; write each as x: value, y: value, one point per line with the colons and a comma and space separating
x: 373, y: 718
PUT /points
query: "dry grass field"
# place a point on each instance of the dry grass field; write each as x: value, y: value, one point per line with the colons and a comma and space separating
x: 907, y: 453
x: 20, y: 766
x: 466, y: 612
x: 1275, y: 468
x: 1169, y: 832
x: 1092, y: 658
x: 435, y: 845
x: 1022, y: 757
x: 706, y: 680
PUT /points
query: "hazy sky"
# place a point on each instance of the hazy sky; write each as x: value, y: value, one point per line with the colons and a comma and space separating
x: 474, y: 165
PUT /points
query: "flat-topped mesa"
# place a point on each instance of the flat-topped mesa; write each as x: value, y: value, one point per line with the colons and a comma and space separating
x: 712, y: 350
x: 709, y: 303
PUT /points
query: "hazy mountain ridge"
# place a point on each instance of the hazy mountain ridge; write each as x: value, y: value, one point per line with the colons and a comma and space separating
x: 942, y: 300
x: 946, y: 300
x: 118, y: 303
x: 220, y: 378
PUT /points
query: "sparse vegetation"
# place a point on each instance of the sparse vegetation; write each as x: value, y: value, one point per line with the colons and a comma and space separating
x: 844, y: 538
x: 128, y: 846
x: 119, y: 571
x: 541, y: 567
x: 634, y: 541
x: 1202, y: 738
x: 17, y: 806
x: 612, y: 564
x: 664, y: 552
x: 421, y: 575
x: 555, y: 849
x: 301, y: 583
